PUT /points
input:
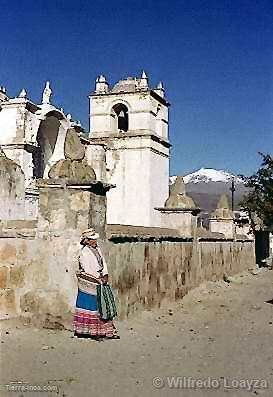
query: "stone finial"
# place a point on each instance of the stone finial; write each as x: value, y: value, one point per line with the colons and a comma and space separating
x: 160, y: 89
x: 222, y: 211
x: 101, y: 85
x: 223, y: 202
x: 3, y: 94
x: 102, y: 79
x: 143, y: 81
x: 46, y: 94
x: 23, y: 94
x: 73, y: 167
x: 144, y: 75
x: 69, y: 117
x: 178, y: 197
x: 178, y: 187
x: 73, y: 171
x: 160, y: 86
x: 73, y: 148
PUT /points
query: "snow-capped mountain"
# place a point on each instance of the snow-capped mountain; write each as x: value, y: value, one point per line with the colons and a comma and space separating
x: 209, y: 175
x: 207, y: 184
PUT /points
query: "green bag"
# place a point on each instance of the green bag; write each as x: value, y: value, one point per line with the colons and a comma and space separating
x: 106, y: 302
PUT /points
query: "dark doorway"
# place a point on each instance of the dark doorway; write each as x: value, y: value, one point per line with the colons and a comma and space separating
x: 261, y: 246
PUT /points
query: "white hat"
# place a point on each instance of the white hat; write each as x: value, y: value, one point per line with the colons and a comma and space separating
x: 90, y: 234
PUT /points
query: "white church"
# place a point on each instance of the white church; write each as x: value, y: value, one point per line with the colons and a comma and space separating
x: 127, y: 144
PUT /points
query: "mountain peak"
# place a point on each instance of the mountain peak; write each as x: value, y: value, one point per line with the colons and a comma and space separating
x: 205, y: 186
x: 211, y: 175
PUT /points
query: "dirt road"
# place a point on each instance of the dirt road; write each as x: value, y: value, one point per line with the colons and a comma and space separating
x: 220, y: 334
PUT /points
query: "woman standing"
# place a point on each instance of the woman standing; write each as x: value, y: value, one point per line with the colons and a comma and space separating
x: 93, y: 272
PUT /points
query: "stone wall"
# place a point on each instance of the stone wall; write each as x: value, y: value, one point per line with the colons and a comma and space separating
x: 12, y: 189
x: 71, y: 207
x: 37, y: 273
x: 146, y: 273
x: 37, y: 276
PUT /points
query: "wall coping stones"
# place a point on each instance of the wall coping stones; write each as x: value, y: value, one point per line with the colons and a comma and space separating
x: 69, y: 184
x: 140, y: 230
x: 29, y: 235
x: 194, y: 211
x: 20, y: 224
x: 122, y: 238
x: 128, y: 233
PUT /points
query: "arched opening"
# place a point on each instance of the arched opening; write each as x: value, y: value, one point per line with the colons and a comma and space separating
x: 46, y: 139
x: 120, y: 113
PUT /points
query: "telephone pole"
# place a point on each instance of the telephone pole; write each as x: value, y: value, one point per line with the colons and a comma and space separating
x: 232, y: 192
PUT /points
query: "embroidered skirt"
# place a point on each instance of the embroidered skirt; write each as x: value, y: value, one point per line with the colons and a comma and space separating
x: 87, y: 320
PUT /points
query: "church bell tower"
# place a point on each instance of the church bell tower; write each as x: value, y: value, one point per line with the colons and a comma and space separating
x: 132, y: 120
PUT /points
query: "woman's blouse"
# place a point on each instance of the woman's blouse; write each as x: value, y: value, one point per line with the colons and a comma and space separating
x: 90, y: 264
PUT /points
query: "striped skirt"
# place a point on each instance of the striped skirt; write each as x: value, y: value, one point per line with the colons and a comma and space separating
x: 87, y: 320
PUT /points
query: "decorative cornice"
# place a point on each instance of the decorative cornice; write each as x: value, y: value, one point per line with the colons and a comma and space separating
x: 124, y: 135
x: 163, y: 101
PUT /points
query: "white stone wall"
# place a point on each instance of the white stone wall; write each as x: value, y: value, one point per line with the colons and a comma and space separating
x: 159, y: 184
x: 96, y: 158
x: 223, y: 226
x: 183, y: 221
x: 23, y: 158
x: 8, y: 118
x: 141, y: 179
x: 129, y: 202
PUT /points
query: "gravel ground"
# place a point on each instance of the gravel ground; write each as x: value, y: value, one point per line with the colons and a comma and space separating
x: 220, y: 333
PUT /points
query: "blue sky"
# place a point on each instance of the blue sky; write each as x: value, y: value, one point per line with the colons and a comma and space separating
x: 215, y: 58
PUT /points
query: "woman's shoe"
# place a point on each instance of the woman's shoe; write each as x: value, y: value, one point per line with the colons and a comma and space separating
x: 113, y: 337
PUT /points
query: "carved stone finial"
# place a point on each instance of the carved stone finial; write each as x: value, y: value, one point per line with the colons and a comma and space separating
x: 223, y: 202
x: 222, y: 211
x: 23, y: 94
x: 178, y: 187
x: 74, y: 167
x: 143, y: 81
x: 46, y: 94
x: 178, y: 197
x: 160, y: 86
x: 102, y: 79
x: 101, y: 85
x: 73, y: 148
x: 160, y: 89
x: 144, y: 75
x: 69, y: 117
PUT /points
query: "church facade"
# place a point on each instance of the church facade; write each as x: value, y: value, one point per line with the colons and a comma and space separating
x: 127, y: 144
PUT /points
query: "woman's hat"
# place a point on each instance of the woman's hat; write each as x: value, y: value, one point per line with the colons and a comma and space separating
x: 90, y: 234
